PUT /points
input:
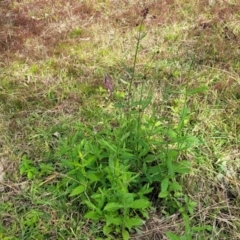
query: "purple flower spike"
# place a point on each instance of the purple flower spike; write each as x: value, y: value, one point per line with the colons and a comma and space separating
x: 108, y: 84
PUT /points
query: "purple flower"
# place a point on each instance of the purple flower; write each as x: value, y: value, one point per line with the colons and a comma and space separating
x: 108, y: 84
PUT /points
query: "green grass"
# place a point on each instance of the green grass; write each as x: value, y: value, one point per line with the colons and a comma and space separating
x: 54, y: 57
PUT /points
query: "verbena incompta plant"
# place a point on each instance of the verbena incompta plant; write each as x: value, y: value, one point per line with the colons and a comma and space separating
x: 114, y: 173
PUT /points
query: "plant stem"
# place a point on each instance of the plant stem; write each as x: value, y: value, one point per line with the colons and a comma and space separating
x: 134, y: 64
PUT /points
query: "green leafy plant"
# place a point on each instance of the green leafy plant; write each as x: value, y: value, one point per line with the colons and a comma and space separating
x: 27, y: 168
x: 101, y: 176
x: 114, y: 172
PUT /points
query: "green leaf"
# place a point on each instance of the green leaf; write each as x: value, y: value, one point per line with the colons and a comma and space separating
x: 197, y: 90
x: 90, y: 160
x: 164, y: 184
x: 182, y: 167
x: 127, y: 156
x: 202, y: 228
x: 150, y: 158
x: 120, y: 94
x: 90, y: 205
x: 163, y: 194
x: 173, y: 236
x: 112, y: 206
x: 184, y: 111
x: 154, y: 174
x: 107, y: 230
x: 108, y: 145
x: 125, y: 136
x: 78, y: 190
x: 191, y: 206
x: 139, y: 204
x: 147, y: 101
x: 92, y: 215
x: 99, y: 198
x: 30, y: 175
x: 128, y: 198
x: 144, y: 167
x: 94, y: 176
x: 193, y: 140
x: 175, y: 186
x: 154, y: 170
x: 132, y: 222
x: 117, y: 221
x: 171, y: 134
x: 145, y: 190
x: 144, y: 213
x: 125, y: 234
x: 187, y: 142
x: 157, y: 130
x: 112, y: 162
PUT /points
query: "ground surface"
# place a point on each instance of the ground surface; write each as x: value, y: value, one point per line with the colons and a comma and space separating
x: 54, y: 55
